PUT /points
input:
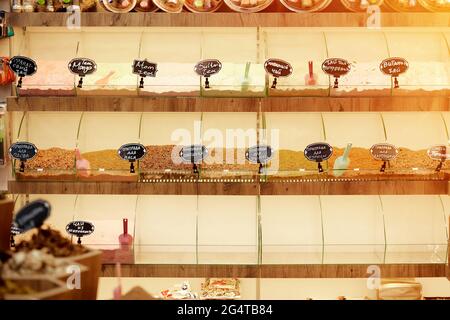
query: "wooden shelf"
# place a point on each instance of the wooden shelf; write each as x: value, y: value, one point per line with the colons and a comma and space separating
x: 231, y: 19
x: 200, y: 104
x: 275, y: 271
x: 229, y: 188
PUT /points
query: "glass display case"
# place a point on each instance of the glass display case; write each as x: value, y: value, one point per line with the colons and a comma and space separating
x: 291, y: 230
x: 227, y: 230
x: 52, y: 52
x: 175, y: 59
x: 164, y: 135
x: 289, y: 133
x: 251, y: 230
x: 166, y: 229
x: 364, y: 50
x: 353, y: 230
x: 113, y: 50
x: 227, y: 138
x: 100, y: 135
x: 429, y: 68
x: 416, y: 229
x: 413, y: 144
x: 242, y: 73
x: 304, y: 51
x: 55, y: 136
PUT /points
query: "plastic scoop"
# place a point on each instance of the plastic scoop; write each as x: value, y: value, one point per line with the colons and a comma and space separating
x: 83, y: 166
x: 245, y: 83
x: 342, y: 162
x: 311, y: 77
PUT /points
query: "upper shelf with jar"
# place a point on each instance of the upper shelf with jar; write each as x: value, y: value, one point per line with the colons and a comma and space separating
x: 310, y: 61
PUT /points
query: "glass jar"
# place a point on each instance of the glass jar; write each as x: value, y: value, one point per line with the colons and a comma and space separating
x: 200, y: 6
x: 119, y: 6
x: 171, y: 6
x: 248, y: 5
x: 306, y: 5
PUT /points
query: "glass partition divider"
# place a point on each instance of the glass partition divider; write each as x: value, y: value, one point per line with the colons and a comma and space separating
x: 322, y: 230
x: 384, y: 229
x: 446, y: 226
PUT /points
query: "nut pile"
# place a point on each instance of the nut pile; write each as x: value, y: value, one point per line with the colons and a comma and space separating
x: 53, y: 242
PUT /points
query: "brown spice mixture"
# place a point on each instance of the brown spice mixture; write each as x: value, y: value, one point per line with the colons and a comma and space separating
x: 159, y: 158
x: 289, y: 160
x: 53, y: 242
x: 53, y: 158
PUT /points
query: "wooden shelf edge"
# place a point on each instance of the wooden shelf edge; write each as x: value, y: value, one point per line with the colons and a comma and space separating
x: 231, y: 19
x: 275, y: 271
x: 225, y: 188
x: 200, y: 104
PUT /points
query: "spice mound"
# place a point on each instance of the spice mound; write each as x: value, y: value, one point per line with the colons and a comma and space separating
x: 53, y: 158
x: 33, y: 262
x: 53, y: 242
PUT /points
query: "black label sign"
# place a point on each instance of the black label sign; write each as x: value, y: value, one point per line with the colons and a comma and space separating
x: 278, y: 68
x: 394, y: 66
x: 82, y: 66
x: 144, y: 68
x: 15, y: 230
x: 259, y: 154
x: 80, y: 228
x: 208, y: 67
x: 194, y: 153
x: 384, y: 151
x: 32, y: 215
x: 336, y: 67
x: 318, y: 152
x: 439, y: 152
x: 23, y: 151
x: 23, y: 66
x: 132, y: 151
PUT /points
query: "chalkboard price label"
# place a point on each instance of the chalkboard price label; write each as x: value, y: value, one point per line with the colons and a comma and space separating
x: 32, y: 215
x: 207, y: 68
x: 22, y: 66
x: 132, y: 152
x: 440, y: 153
x: 193, y: 154
x: 384, y: 152
x: 394, y: 67
x: 259, y: 154
x: 144, y: 68
x: 336, y: 67
x: 318, y: 152
x: 80, y: 229
x: 277, y: 68
x: 23, y: 151
x: 82, y: 67
x: 15, y: 230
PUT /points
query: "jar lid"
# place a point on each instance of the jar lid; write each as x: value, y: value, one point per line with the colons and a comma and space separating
x: 171, y: 6
x: 119, y: 6
x: 200, y: 6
